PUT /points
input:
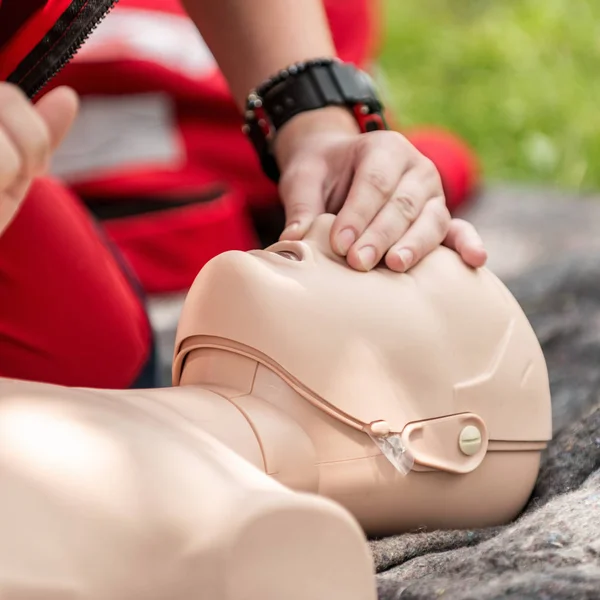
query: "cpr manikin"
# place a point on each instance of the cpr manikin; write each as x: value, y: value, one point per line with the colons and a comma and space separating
x: 405, y: 400
x: 414, y: 400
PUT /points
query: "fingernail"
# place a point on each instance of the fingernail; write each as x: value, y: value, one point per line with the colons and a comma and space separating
x: 345, y: 239
x: 366, y: 257
x: 406, y: 256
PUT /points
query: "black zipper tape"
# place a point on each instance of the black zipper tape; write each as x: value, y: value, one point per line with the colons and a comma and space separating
x: 60, y: 44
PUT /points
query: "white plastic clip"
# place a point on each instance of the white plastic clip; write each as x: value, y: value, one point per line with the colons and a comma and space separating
x: 391, y: 446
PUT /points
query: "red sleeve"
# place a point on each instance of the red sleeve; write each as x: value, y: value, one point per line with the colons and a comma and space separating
x: 68, y: 314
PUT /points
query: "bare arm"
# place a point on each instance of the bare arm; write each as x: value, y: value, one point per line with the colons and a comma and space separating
x: 388, y: 197
x: 253, y: 39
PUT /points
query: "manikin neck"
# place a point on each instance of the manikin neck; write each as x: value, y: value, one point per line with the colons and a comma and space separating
x: 233, y: 375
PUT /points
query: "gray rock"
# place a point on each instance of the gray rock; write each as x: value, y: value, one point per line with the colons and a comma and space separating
x: 524, y: 226
x: 562, y: 301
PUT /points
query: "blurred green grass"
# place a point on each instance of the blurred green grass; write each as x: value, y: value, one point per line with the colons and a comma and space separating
x: 518, y: 79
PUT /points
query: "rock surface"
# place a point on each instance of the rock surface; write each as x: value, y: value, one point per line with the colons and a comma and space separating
x: 526, y: 226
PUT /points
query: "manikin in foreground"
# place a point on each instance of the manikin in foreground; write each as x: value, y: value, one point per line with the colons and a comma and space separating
x: 397, y: 401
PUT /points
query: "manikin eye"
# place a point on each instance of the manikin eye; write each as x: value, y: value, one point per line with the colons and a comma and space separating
x: 289, y: 255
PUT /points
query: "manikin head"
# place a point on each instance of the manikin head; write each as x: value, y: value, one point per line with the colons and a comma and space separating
x: 378, y: 350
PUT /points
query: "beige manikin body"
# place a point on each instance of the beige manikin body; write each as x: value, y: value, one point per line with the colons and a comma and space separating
x: 411, y: 400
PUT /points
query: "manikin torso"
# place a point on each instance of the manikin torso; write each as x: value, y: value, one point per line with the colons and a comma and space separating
x: 110, y: 495
x: 411, y: 400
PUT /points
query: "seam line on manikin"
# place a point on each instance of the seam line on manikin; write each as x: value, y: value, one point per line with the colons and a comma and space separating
x: 247, y: 417
x: 249, y: 392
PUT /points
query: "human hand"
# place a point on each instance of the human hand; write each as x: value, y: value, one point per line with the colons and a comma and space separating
x: 28, y: 135
x: 388, y: 197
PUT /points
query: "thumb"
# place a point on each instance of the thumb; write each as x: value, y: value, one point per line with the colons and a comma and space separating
x: 302, y: 193
x: 58, y: 109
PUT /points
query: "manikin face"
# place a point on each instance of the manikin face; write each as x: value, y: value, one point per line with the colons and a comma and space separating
x: 376, y: 345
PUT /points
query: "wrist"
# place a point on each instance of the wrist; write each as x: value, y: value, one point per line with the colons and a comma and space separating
x: 307, y: 105
x: 331, y: 120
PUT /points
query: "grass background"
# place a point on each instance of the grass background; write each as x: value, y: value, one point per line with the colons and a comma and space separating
x: 518, y: 79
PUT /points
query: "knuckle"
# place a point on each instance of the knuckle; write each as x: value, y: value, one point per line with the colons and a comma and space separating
x: 384, y: 237
x: 391, y: 142
x: 406, y: 205
x: 357, y: 216
x: 379, y: 180
x: 429, y: 170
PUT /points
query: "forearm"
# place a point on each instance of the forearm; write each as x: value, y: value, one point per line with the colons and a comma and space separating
x: 253, y: 39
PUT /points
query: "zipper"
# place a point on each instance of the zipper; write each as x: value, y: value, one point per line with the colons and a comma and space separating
x: 60, y: 44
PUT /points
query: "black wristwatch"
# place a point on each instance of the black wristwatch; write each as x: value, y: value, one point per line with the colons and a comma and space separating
x: 308, y: 86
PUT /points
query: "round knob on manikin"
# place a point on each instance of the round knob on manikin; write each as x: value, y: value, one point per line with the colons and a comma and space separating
x: 470, y: 440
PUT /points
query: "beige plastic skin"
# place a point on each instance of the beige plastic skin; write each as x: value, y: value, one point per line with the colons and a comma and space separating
x: 114, y: 495
x: 441, y: 358
x: 289, y: 364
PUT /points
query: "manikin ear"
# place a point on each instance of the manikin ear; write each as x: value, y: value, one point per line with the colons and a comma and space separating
x: 517, y: 368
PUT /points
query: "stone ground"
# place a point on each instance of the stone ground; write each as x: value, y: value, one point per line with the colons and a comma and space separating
x: 525, y: 226
x: 546, y: 246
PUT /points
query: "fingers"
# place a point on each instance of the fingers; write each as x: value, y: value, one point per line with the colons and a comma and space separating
x: 464, y: 239
x: 424, y: 235
x: 28, y: 133
x: 25, y: 130
x: 391, y: 196
x: 392, y: 213
x: 302, y: 193
x: 381, y: 163
x: 405, y: 207
x: 58, y: 109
